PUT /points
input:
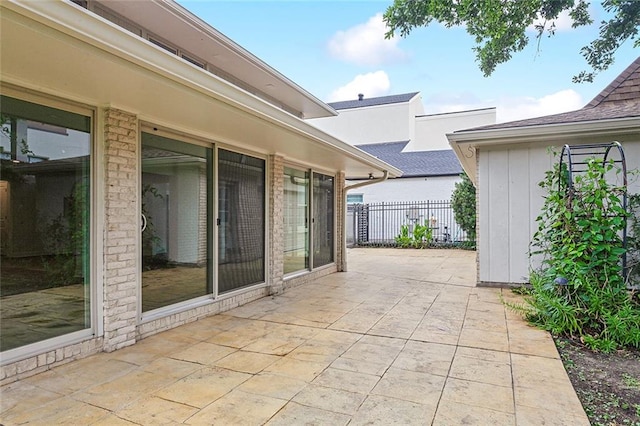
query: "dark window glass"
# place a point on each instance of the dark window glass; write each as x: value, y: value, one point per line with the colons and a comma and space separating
x: 323, y: 214
x: 175, y: 204
x: 45, y: 185
x: 241, y: 213
x: 296, y: 220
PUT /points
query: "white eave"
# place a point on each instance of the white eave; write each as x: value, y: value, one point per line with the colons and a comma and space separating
x: 170, y: 20
x: 466, y: 142
x: 109, y: 66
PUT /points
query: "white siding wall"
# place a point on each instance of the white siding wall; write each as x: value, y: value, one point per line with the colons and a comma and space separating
x: 510, y: 201
x: 408, y: 189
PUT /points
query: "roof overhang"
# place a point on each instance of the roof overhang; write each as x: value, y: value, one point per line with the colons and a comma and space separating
x: 466, y: 143
x: 63, y: 50
x: 172, y: 21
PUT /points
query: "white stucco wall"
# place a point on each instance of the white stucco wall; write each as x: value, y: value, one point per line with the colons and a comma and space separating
x: 431, y: 130
x: 509, y: 202
x: 374, y: 124
x: 408, y: 189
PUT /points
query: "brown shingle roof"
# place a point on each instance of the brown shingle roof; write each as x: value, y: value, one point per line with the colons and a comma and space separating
x: 620, y: 99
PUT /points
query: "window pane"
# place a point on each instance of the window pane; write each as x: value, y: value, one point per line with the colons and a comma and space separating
x: 175, y: 200
x: 44, y: 223
x: 296, y: 221
x: 323, y: 196
x: 241, y: 204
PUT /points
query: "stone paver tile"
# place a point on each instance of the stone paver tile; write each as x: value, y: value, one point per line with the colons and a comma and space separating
x: 552, y: 397
x: 532, y: 342
x: 273, y: 385
x: 484, y: 339
x: 346, y: 380
x: 149, y: 349
x: 454, y: 413
x: 486, y: 322
x: 203, y: 329
x: 171, y: 368
x: 484, y: 354
x: 154, y: 410
x: 296, y: 414
x: 411, y: 386
x: 481, y: 370
x: 23, y: 396
x: 493, y: 397
x: 424, y: 357
x: 238, y: 408
x: 113, y: 420
x: 356, y: 323
x: 330, y: 399
x: 238, y: 337
x: 81, y: 374
x: 63, y: 411
x: 383, y: 341
x: 530, y: 416
x: 336, y: 337
x: 434, y: 335
x: 203, y: 387
x: 246, y: 362
x: 529, y: 371
x: 203, y: 353
x: 372, y: 352
x: 275, y: 345
x: 383, y: 411
x: 359, y: 366
x: 298, y: 369
x: 123, y: 390
x: 318, y: 351
x: 394, y: 325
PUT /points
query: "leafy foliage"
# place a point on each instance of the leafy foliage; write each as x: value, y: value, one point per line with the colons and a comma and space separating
x: 463, y: 203
x: 499, y: 26
x: 580, y: 290
x: 419, y: 238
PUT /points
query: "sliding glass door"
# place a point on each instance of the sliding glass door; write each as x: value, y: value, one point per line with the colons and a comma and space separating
x: 296, y: 220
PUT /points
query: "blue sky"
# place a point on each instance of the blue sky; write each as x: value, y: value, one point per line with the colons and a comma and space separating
x: 336, y: 49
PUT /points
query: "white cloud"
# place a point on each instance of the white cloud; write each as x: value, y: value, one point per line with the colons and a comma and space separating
x: 562, y: 23
x: 370, y: 85
x: 364, y: 44
x: 509, y: 109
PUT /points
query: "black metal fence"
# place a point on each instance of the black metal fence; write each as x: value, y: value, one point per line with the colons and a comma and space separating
x: 378, y: 224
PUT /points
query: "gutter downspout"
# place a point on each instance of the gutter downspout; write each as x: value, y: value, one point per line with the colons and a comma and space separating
x: 343, y: 267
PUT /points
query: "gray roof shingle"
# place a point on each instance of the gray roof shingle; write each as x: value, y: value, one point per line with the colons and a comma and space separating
x: 381, y: 100
x: 417, y: 163
x: 620, y: 99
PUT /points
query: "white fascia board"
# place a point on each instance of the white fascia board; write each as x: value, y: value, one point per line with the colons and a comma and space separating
x: 110, y: 38
x: 548, y: 132
x: 465, y: 143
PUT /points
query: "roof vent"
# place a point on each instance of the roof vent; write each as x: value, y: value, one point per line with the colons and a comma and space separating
x: 360, y: 96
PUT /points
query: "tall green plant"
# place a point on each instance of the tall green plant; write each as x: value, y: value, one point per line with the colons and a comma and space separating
x: 463, y: 202
x: 580, y: 290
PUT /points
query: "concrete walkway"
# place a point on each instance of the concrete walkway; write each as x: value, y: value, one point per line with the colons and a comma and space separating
x: 404, y: 337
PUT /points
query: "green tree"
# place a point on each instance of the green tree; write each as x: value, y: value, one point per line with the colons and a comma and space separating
x: 499, y: 26
x: 463, y: 202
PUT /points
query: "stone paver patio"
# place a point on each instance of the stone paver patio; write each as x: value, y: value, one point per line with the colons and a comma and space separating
x: 404, y: 337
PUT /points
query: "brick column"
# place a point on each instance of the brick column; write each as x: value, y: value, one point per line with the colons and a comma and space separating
x: 341, y: 255
x: 276, y: 224
x: 121, y: 229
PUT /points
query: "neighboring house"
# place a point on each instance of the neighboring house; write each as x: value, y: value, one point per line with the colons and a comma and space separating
x: 508, y: 160
x: 153, y: 172
x: 395, y: 129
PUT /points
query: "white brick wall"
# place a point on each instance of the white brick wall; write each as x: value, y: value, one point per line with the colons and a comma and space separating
x: 276, y: 223
x: 121, y: 229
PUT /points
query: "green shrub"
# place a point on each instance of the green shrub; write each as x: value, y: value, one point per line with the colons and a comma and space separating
x: 463, y: 203
x: 580, y: 290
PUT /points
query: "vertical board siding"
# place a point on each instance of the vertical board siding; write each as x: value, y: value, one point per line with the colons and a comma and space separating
x: 519, y: 214
x: 499, y: 249
x: 483, y: 213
